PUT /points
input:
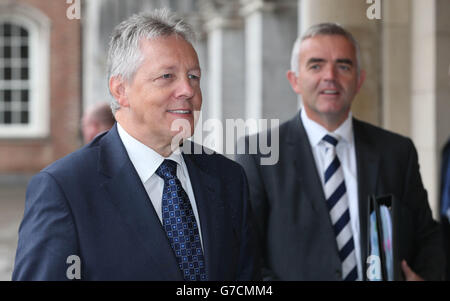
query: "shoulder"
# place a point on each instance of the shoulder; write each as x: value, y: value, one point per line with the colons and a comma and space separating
x: 211, y: 161
x: 80, y: 163
x: 380, y: 138
x: 446, y: 149
x: 280, y: 134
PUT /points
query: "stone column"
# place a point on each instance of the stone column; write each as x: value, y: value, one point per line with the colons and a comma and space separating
x: 442, y: 74
x: 430, y: 106
x: 94, y: 79
x: 270, y: 32
x: 225, y: 67
x: 396, y: 66
x: 351, y: 14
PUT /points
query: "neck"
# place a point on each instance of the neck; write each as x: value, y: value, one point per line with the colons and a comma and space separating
x: 329, y: 121
x: 161, y: 145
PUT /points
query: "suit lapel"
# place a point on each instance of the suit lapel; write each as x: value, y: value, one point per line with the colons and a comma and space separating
x: 305, y: 167
x: 206, y: 189
x: 367, y: 173
x: 126, y: 191
x: 367, y: 161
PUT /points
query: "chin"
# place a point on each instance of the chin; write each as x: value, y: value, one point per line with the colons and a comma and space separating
x: 182, y: 132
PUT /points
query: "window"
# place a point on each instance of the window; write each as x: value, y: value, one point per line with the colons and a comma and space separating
x: 14, y: 75
x: 24, y: 47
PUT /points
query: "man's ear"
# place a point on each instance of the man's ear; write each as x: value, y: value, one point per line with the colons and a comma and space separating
x: 117, y: 86
x: 293, y: 80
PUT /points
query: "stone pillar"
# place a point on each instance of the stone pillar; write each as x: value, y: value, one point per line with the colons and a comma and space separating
x: 396, y: 66
x: 442, y: 74
x: 95, y: 87
x: 351, y: 14
x: 430, y: 106
x: 225, y: 67
x: 270, y: 32
x: 192, y: 11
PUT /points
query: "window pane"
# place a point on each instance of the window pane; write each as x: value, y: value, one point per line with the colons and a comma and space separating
x: 7, y: 96
x: 8, y: 73
x: 24, y: 117
x: 24, y: 96
x: 7, y: 117
x: 23, y: 73
x: 6, y: 51
x: 23, y: 32
x: 24, y: 52
x: 7, y: 30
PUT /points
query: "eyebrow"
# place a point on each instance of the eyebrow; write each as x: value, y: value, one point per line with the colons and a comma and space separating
x: 345, y: 61
x: 172, y: 68
x: 320, y: 60
x: 314, y: 60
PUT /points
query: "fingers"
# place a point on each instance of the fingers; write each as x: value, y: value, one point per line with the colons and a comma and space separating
x: 410, y: 275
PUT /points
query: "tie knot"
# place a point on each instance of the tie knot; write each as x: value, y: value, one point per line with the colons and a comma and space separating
x: 167, y: 170
x: 333, y: 141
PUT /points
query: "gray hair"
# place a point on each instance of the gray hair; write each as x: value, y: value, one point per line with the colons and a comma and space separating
x: 324, y: 29
x: 124, y: 54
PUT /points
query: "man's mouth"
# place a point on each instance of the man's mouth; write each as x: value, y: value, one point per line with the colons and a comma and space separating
x: 180, y: 111
x: 330, y: 92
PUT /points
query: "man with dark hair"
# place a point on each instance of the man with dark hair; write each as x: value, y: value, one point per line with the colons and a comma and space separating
x: 311, y: 206
x: 131, y: 205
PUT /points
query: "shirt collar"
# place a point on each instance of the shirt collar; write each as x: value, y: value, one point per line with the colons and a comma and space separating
x: 145, y: 160
x: 316, y: 132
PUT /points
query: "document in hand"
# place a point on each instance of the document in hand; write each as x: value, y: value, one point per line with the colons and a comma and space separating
x: 382, y: 237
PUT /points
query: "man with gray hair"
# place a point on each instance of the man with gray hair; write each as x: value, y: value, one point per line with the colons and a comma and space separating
x: 131, y: 205
x: 312, y: 206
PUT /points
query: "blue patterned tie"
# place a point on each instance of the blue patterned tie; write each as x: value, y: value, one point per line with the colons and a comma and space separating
x: 180, y: 224
x: 337, y: 203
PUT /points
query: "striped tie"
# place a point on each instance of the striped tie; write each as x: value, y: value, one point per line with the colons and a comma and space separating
x: 337, y: 203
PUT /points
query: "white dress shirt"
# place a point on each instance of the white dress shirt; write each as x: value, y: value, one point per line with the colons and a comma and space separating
x: 345, y: 151
x: 146, y: 161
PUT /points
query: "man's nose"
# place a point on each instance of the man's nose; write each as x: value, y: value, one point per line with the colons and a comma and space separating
x: 184, y: 88
x: 330, y: 73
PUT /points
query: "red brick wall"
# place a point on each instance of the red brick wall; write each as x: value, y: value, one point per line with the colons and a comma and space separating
x: 31, y: 155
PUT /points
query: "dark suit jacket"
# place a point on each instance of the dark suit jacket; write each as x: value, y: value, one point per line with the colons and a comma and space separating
x: 92, y: 204
x: 444, y: 221
x: 295, y: 232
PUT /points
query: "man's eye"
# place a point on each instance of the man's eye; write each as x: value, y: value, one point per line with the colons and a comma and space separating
x: 344, y: 67
x: 167, y: 76
x: 193, y: 76
x: 315, y: 67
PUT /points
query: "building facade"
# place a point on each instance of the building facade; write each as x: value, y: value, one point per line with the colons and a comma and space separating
x: 40, y: 84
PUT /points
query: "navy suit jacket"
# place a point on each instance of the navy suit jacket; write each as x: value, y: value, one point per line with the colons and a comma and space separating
x: 92, y: 204
x: 445, y: 223
x: 293, y: 223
